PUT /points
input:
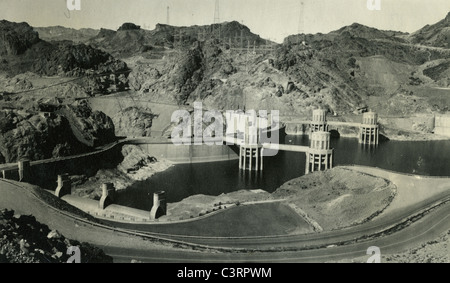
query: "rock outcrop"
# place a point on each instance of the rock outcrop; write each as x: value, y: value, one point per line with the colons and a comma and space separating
x: 92, y: 128
x: 437, y: 35
x: 68, y: 131
x: 15, y: 39
x: 129, y: 26
x: 24, y: 240
x: 59, y: 33
x: 26, y: 135
x: 133, y: 122
x: 23, y: 51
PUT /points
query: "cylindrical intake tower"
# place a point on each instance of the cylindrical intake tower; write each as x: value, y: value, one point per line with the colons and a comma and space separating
x: 320, y: 155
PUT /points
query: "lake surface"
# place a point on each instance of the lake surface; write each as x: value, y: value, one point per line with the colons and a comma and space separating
x: 431, y: 158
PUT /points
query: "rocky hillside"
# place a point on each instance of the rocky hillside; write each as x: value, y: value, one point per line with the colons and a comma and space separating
x: 341, y: 71
x: 133, y: 122
x: 22, y: 50
x: 92, y: 128
x: 59, y: 33
x: 70, y: 130
x: 24, y: 240
x: 437, y: 35
x: 15, y: 39
x: 130, y: 39
x: 26, y: 135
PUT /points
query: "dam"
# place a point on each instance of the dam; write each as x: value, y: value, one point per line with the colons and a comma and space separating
x: 213, y: 170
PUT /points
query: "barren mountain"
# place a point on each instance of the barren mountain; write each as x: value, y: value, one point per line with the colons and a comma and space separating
x: 130, y: 39
x: 22, y: 50
x: 353, y: 66
x: 341, y: 71
x: 437, y: 35
x: 15, y: 39
x: 59, y: 33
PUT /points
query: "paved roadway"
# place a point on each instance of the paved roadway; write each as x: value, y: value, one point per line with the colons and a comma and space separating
x: 298, y: 241
x: 426, y: 229
x: 126, y: 247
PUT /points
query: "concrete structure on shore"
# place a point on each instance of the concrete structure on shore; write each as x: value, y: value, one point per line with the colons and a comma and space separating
x: 369, y: 130
x: 251, y: 150
x: 64, y: 186
x: 108, y: 195
x: 320, y: 155
x: 319, y: 121
x: 442, y: 125
x: 24, y: 170
x: 159, y: 208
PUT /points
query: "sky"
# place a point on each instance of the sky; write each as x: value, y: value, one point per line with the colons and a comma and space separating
x: 272, y: 19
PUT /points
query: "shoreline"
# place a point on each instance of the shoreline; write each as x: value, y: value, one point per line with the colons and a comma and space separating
x: 411, y: 137
x: 137, y: 166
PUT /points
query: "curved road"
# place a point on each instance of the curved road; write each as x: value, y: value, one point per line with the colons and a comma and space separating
x: 428, y: 228
x: 124, y: 247
x: 302, y: 241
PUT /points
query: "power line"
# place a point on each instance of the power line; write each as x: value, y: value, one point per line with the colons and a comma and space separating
x: 168, y: 16
x: 301, y: 23
x: 217, y: 19
x: 217, y: 12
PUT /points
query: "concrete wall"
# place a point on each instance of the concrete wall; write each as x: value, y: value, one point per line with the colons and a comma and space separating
x: 297, y: 129
x: 442, y: 123
x: 421, y: 123
x: 191, y: 153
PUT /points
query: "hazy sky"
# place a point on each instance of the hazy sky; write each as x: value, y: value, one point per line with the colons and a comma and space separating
x: 274, y: 19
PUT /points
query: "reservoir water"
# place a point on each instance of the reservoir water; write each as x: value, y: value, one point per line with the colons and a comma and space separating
x: 430, y: 158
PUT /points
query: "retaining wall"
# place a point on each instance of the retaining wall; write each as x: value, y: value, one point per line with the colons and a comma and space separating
x: 191, y: 153
x: 442, y: 123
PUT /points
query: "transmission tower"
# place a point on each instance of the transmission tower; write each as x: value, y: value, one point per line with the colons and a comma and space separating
x: 247, y: 57
x: 217, y: 13
x: 217, y: 18
x: 168, y: 16
x: 301, y: 23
